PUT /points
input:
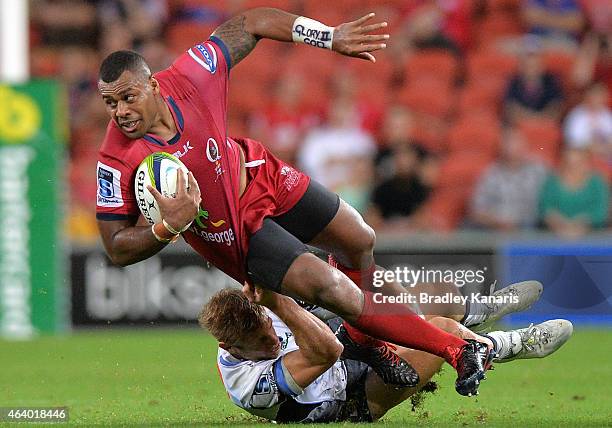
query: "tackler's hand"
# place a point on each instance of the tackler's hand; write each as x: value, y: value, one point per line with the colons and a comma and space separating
x: 356, y: 39
x: 263, y: 296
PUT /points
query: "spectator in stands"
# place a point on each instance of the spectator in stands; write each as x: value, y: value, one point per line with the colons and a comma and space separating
x: 330, y: 152
x: 506, y: 195
x: 396, y: 130
x: 65, y: 22
x: 574, y: 200
x: 396, y: 199
x: 283, y: 122
x: 589, y: 124
x: 144, y: 18
x: 424, y: 29
x: 557, y: 22
x: 594, y: 61
x: 532, y: 91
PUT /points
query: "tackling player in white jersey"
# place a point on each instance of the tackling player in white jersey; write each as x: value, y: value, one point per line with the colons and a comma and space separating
x: 282, y: 363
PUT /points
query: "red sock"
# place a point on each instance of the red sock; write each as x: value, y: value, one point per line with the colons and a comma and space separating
x: 396, y: 323
x: 361, y: 279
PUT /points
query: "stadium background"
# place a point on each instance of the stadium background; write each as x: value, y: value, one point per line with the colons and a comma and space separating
x: 423, y: 126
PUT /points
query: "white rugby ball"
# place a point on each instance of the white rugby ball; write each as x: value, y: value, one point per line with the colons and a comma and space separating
x: 159, y: 170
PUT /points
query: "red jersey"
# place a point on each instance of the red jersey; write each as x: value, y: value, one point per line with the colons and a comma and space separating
x: 195, y: 88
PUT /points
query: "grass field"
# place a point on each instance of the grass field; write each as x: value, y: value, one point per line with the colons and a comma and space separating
x: 169, y: 378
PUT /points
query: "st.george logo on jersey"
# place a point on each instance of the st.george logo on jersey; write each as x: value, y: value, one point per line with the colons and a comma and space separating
x: 205, y: 55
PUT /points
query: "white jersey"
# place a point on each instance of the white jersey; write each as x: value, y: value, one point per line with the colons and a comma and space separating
x: 260, y: 387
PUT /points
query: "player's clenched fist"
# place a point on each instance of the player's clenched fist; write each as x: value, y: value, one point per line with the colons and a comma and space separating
x: 179, y: 212
x: 355, y: 38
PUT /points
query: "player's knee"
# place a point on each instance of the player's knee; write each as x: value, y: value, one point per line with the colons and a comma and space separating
x: 317, y: 282
x: 361, y: 251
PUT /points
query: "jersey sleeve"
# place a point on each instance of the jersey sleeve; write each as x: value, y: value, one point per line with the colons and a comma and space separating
x: 205, y: 64
x: 260, y: 384
x: 115, y: 195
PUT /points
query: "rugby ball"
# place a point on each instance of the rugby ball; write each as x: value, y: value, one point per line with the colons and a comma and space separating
x: 159, y: 170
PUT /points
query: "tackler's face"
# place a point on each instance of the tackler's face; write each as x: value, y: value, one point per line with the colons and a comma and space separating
x: 261, y: 344
x: 130, y: 102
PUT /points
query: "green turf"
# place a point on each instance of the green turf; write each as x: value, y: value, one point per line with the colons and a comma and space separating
x: 169, y: 378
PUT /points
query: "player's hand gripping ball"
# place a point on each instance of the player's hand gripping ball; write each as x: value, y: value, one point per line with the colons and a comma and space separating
x: 159, y: 170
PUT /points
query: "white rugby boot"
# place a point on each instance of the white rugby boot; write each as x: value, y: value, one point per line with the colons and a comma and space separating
x: 535, y: 341
x: 513, y: 298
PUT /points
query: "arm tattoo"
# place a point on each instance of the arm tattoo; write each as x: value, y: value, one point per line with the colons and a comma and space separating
x: 238, y: 41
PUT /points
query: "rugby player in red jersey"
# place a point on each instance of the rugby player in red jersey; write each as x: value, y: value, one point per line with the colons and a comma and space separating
x: 254, y: 213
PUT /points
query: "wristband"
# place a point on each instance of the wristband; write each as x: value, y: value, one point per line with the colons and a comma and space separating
x: 313, y: 33
x: 173, y: 230
x: 161, y: 239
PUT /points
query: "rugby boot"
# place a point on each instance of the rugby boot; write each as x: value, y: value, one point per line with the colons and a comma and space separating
x: 513, y: 298
x: 391, y: 368
x: 536, y: 341
x: 473, y: 360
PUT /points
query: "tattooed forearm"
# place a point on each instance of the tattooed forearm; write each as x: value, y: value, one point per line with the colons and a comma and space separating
x: 238, y: 41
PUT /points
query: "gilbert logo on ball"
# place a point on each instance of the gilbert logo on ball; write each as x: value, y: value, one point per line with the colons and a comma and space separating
x: 160, y: 170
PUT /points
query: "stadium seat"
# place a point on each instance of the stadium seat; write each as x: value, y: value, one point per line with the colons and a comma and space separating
x: 475, y: 134
x: 429, y: 96
x: 432, y: 64
x: 181, y: 37
x: 544, y: 138
x: 485, y: 64
x: 429, y: 131
x: 460, y: 170
x: 443, y: 211
x: 458, y: 173
x: 482, y: 95
x: 280, y: 4
x: 498, y: 25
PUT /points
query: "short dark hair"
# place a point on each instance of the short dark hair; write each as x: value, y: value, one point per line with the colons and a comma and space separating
x: 229, y: 315
x: 116, y: 63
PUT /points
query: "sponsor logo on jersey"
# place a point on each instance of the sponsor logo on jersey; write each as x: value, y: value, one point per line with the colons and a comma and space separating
x: 205, y: 55
x: 214, y: 155
x: 203, y: 217
x: 263, y: 385
x: 226, y: 237
x: 212, y: 150
x: 202, y: 221
x: 285, y: 340
x: 109, y: 186
x: 292, y: 177
x: 186, y: 147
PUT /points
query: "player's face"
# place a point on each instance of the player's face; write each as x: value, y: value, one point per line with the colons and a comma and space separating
x: 130, y: 102
x: 262, y: 344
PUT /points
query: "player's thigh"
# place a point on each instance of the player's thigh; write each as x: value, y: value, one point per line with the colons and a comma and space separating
x: 348, y: 237
x: 383, y: 397
x: 315, y: 210
x: 272, y: 251
x: 280, y: 262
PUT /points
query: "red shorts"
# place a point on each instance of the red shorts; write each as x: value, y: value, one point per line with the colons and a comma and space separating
x: 273, y: 188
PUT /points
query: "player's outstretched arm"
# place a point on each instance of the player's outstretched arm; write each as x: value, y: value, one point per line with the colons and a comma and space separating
x: 318, y: 347
x: 241, y: 33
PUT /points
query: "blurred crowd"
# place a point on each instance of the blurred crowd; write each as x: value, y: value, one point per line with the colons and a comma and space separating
x: 493, y: 115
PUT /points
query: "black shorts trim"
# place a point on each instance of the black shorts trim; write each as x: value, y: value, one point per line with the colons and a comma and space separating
x: 272, y: 250
x: 312, y: 213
